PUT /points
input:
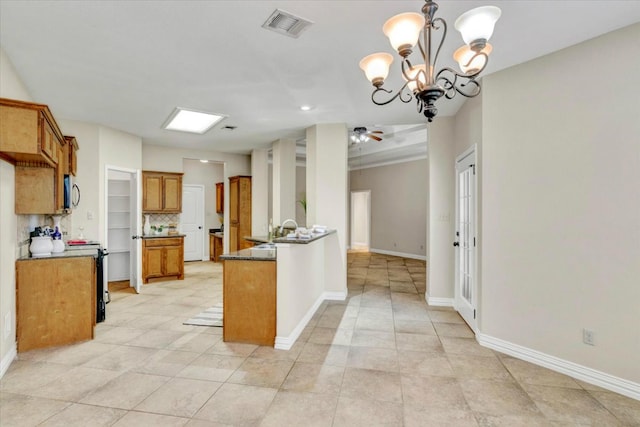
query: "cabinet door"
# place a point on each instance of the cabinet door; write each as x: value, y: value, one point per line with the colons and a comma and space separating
x: 50, y: 141
x: 36, y: 190
x: 172, y: 188
x: 217, y: 248
x: 151, y: 192
x: 220, y: 197
x: 212, y: 251
x: 60, y: 172
x: 233, y: 238
x: 153, y: 262
x: 174, y: 261
x: 234, y: 192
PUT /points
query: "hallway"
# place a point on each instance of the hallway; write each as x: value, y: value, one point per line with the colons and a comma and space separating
x: 383, y: 357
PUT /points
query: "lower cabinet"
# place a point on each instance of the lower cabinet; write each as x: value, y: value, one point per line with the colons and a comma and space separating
x: 215, y: 247
x: 249, y: 302
x: 55, y: 301
x: 162, y: 258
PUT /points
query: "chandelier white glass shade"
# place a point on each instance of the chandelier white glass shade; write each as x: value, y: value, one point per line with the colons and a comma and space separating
x: 426, y: 85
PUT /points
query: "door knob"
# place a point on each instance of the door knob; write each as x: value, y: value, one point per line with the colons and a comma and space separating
x: 199, y: 227
x: 456, y: 243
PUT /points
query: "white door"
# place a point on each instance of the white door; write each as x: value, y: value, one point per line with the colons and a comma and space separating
x: 465, y: 239
x: 192, y: 221
x: 360, y: 219
x: 135, y: 279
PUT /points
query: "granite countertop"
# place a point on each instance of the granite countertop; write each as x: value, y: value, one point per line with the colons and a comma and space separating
x: 217, y: 234
x: 66, y: 254
x: 162, y: 236
x: 251, y: 255
x: 295, y: 240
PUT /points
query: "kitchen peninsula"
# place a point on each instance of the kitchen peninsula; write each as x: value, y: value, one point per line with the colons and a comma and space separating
x: 272, y: 290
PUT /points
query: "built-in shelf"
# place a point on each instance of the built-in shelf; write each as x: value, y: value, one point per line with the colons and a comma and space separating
x: 119, y: 230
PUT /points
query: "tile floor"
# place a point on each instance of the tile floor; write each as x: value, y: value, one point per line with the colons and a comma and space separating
x: 381, y: 358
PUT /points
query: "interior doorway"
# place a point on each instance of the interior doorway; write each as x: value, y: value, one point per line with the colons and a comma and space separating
x: 361, y: 220
x: 192, y: 219
x: 466, y: 284
x: 123, y: 228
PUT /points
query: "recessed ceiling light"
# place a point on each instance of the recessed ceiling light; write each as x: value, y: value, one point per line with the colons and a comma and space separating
x: 306, y: 107
x: 192, y: 121
x: 204, y: 161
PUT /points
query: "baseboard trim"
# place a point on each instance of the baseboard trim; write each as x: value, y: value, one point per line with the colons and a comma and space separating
x: 574, y: 370
x: 285, y: 343
x: 400, y: 254
x: 439, y: 302
x: 8, y: 359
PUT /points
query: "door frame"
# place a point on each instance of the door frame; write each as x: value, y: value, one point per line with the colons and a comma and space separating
x: 135, y: 203
x: 469, y: 156
x: 367, y: 193
x: 202, y: 215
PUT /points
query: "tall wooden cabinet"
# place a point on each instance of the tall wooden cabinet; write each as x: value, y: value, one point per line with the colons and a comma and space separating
x: 220, y: 197
x: 161, y: 192
x: 239, y: 212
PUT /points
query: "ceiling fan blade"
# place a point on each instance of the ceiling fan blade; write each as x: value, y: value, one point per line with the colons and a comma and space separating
x: 377, y: 138
x: 376, y: 131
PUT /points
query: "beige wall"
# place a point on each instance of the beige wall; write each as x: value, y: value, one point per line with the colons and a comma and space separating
x: 11, y: 86
x: 441, y: 216
x: 398, y: 206
x: 561, y: 204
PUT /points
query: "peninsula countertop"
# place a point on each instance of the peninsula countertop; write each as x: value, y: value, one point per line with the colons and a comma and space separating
x: 296, y: 240
x: 251, y: 254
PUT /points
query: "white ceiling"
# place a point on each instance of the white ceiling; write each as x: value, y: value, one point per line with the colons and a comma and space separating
x: 128, y: 64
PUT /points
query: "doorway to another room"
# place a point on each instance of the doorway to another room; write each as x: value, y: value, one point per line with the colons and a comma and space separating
x: 361, y: 220
x: 466, y: 287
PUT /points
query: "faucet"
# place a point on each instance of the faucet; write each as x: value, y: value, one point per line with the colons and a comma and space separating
x: 286, y: 221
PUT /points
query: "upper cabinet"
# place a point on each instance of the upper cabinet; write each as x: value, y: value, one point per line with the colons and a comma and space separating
x: 220, y: 197
x: 161, y: 192
x: 239, y: 212
x: 31, y: 139
x: 28, y: 133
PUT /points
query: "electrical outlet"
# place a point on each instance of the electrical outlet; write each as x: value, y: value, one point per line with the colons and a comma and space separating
x: 89, y: 214
x: 588, y: 337
x: 7, y: 325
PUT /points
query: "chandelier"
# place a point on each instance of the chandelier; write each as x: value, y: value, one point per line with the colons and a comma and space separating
x: 422, y: 81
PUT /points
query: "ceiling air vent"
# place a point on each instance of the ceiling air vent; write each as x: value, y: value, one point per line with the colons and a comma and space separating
x: 285, y: 23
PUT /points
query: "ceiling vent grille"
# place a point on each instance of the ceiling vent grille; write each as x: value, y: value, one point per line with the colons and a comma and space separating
x: 285, y: 23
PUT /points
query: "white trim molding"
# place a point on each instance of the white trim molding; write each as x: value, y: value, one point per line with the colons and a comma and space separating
x: 285, y: 343
x: 400, y: 254
x: 583, y: 373
x: 8, y: 359
x: 439, y: 302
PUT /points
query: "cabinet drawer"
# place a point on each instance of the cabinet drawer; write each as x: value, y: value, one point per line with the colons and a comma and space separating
x: 165, y: 241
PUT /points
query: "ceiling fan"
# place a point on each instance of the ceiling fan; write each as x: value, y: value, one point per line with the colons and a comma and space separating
x: 360, y: 134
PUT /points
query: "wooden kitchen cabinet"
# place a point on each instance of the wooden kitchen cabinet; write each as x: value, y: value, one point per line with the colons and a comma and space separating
x: 239, y: 212
x: 162, y: 258
x: 249, y: 302
x: 31, y: 139
x: 220, y: 197
x: 161, y: 192
x: 55, y: 301
x: 28, y: 133
x: 215, y: 247
x: 70, y: 156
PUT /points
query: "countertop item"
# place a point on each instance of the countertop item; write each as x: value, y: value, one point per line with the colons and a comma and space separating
x: 162, y: 236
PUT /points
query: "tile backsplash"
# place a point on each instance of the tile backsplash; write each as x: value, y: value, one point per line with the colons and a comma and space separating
x: 163, y: 219
x: 27, y: 223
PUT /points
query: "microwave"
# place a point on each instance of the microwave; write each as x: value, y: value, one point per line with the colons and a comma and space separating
x: 71, y: 193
